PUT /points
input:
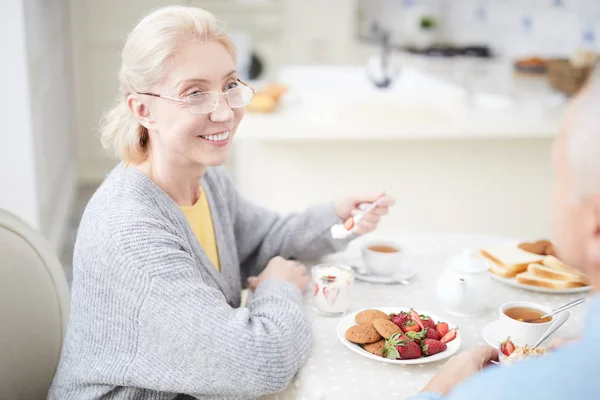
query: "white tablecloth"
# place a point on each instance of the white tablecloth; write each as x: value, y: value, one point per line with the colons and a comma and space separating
x: 334, y: 372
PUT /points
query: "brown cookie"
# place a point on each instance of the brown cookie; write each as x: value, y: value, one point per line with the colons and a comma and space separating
x: 368, y: 316
x: 386, y: 328
x: 375, y: 348
x: 362, y: 334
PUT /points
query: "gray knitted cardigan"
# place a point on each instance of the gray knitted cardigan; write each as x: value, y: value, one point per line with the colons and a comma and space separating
x: 152, y: 318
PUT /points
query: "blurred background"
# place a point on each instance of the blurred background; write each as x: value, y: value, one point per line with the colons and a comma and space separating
x: 450, y: 106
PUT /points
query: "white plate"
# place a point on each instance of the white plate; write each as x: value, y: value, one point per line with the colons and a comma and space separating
x: 493, y: 334
x: 348, y: 321
x: 513, y: 282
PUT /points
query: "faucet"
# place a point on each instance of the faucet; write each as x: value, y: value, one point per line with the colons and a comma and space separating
x: 383, y: 78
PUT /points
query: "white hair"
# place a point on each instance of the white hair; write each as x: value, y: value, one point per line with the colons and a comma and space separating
x: 583, y: 138
x: 145, y: 58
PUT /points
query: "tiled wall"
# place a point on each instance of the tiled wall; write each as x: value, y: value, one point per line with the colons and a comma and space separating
x: 518, y: 27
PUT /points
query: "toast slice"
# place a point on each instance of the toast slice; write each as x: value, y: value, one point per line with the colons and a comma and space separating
x: 555, y: 269
x: 555, y: 263
x: 528, y: 278
x: 508, y: 261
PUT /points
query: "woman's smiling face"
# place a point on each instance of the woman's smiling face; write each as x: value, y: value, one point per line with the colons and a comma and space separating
x: 175, y: 132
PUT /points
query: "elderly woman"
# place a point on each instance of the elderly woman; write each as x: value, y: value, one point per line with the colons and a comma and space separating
x: 165, y: 241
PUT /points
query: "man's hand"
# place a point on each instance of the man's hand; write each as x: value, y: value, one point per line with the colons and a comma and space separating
x: 461, y: 367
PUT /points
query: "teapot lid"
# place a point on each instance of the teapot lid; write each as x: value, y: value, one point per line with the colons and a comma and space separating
x: 467, y: 261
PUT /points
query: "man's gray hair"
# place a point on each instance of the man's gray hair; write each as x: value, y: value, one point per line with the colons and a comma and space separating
x: 583, y: 138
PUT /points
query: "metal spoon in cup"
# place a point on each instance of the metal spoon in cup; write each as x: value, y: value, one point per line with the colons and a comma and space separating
x: 560, y: 309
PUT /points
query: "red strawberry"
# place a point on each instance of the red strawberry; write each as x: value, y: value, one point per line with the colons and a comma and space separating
x: 417, y: 336
x: 400, y: 319
x: 431, y: 347
x: 450, y: 336
x: 407, y: 349
x: 415, y: 317
x: 442, y: 328
x: 427, y: 321
x: 432, y: 334
x: 410, y: 326
x: 507, y: 347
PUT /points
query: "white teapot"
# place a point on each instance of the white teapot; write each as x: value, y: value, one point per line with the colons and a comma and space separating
x: 464, y: 287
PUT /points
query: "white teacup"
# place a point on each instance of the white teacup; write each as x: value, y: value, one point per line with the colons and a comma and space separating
x: 385, y: 259
x: 526, y: 333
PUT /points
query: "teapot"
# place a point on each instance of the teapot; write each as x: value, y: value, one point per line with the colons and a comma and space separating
x: 464, y: 287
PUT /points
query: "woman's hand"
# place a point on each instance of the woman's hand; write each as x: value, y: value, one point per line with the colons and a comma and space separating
x: 280, y: 268
x: 352, y: 206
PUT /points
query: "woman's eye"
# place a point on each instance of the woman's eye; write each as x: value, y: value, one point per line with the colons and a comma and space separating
x: 231, y: 85
x: 194, y: 93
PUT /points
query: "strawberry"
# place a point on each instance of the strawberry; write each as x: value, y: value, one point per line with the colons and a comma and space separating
x: 410, y: 326
x: 450, y: 336
x: 427, y: 321
x: 400, y: 346
x: 400, y: 319
x: 432, y: 334
x: 507, y: 347
x: 407, y: 349
x: 389, y: 349
x: 415, y: 317
x: 442, y: 328
x: 431, y: 347
x: 417, y: 336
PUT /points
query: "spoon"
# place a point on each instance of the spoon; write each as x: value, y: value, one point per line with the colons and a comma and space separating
x: 549, y: 332
x: 560, y: 309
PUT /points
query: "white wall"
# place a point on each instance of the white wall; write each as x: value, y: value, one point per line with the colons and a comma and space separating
x: 39, y: 166
x: 18, y: 188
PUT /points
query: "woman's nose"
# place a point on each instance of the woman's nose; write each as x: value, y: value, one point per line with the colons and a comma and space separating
x: 222, y: 113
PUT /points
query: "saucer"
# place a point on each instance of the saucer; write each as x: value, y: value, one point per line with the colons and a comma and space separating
x: 493, y: 334
x: 357, y: 266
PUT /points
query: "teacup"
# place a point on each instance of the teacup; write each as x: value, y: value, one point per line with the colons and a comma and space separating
x: 526, y: 333
x: 384, y: 259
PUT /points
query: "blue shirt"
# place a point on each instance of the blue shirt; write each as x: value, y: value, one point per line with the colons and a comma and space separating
x: 570, y: 372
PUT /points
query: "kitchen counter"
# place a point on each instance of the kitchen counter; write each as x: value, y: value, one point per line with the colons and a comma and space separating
x: 429, y: 100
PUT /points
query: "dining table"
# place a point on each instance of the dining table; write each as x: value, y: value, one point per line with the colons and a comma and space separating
x: 332, y: 371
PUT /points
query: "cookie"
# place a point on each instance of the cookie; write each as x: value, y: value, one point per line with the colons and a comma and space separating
x: 368, y: 316
x: 375, y: 348
x: 386, y: 328
x: 362, y: 334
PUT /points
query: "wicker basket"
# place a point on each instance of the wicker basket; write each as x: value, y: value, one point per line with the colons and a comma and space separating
x: 566, y: 78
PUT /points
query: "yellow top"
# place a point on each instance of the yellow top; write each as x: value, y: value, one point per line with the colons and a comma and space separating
x: 200, y: 220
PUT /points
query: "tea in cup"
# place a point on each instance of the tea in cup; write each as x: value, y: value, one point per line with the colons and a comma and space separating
x: 513, y: 316
x: 385, y: 259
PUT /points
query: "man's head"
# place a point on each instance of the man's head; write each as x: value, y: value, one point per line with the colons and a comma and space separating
x: 576, y: 196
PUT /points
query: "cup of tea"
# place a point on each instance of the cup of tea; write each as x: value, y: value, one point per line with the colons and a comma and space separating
x: 384, y: 259
x: 514, y: 314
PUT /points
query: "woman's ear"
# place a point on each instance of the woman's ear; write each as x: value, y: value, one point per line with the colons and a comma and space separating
x: 140, y: 111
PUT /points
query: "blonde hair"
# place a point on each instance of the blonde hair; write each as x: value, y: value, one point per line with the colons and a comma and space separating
x: 144, y: 62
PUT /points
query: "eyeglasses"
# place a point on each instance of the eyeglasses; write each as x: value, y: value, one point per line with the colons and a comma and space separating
x: 207, y: 102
